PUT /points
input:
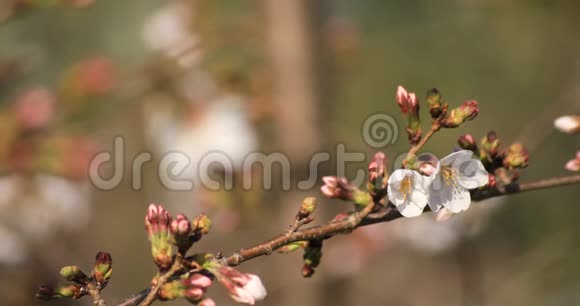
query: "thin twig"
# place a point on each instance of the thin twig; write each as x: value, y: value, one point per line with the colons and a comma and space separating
x: 95, y: 293
x: 434, y: 128
x: 152, y: 294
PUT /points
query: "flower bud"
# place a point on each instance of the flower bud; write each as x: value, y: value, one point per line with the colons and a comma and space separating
x: 574, y: 164
x: 337, y: 187
x: 434, y: 100
x: 378, y: 177
x: 489, y: 151
x: 206, y: 302
x: 427, y: 169
x: 73, y: 291
x: 242, y: 287
x: 35, y: 109
x: 180, y: 226
x: 516, y: 157
x: 307, y: 271
x: 193, y: 294
x: 74, y: 274
x: 198, y: 280
x: 467, y: 142
x: 311, y: 257
x: 409, y: 104
x: 291, y: 247
x: 201, y: 225
x: 45, y: 292
x: 466, y: 112
x: 157, y: 225
x: 307, y: 208
x: 103, y: 267
x: 568, y: 124
x: 402, y: 99
x: 492, y: 182
x: 171, y: 291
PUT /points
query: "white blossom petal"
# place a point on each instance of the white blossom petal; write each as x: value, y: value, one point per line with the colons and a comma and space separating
x: 456, y: 158
x: 460, y: 201
x: 255, y: 287
x: 410, y: 209
x: 473, y: 176
x: 413, y: 202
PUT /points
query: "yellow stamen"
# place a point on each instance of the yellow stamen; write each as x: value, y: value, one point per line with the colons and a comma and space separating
x: 449, y: 176
x: 406, y: 186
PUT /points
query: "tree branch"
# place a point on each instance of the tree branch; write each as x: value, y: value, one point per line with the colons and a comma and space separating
x: 367, y: 216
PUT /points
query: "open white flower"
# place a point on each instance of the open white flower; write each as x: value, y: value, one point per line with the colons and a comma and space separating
x: 408, y: 191
x: 454, y: 175
x: 249, y: 289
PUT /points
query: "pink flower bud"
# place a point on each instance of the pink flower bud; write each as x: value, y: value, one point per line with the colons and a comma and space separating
x: 469, y: 109
x: 408, y: 102
x: 35, y: 108
x: 194, y: 293
x: 492, y: 181
x: 157, y: 225
x: 466, y: 112
x: 198, y: 280
x: 206, y: 302
x: 97, y: 75
x: 180, y: 226
x: 377, y: 171
x: 467, y: 142
x: 427, y: 169
x: 574, y: 164
x: 402, y: 96
x: 337, y: 187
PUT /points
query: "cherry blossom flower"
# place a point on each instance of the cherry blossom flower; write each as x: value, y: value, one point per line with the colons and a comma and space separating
x: 408, y: 191
x: 455, y: 174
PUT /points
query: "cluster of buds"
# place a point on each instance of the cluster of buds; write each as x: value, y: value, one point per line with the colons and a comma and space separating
x: 378, y: 176
x: 409, y: 104
x: 340, y: 188
x: 242, y: 287
x: 311, y: 257
x: 79, y: 282
x: 190, y: 287
x: 442, y: 116
x: 501, y: 164
x: 165, y: 232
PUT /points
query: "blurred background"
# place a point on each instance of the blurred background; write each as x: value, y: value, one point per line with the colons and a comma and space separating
x: 289, y: 76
